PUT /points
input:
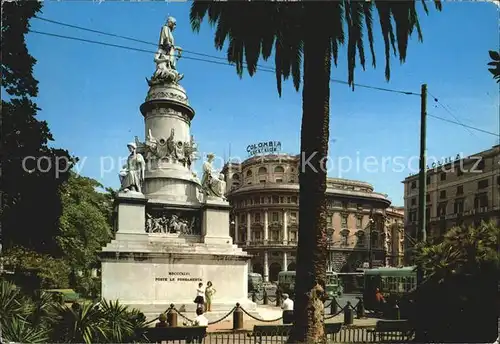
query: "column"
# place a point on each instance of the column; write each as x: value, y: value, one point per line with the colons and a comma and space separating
x: 285, y: 262
x: 236, y: 237
x: 285, y: 225
x: 266, y: 267
x: 249, y: 230
x: 266, y: 226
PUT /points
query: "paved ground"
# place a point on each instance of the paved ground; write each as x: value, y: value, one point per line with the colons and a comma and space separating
x: 270, y: 312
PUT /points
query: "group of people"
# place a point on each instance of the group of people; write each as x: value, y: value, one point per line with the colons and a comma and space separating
x: 204, y: 296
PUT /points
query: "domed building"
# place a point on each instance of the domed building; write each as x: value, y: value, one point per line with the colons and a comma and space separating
x: 264, y: 194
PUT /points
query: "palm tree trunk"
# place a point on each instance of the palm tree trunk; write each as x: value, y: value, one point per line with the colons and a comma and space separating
x: 312, y: 249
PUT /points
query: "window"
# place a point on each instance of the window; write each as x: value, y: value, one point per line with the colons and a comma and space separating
x: 428, y: 198
x: 442, y: 209
x: 413, y: 201
x: 413, y: 216
x: 344, y: 221
x: 275, y: 216
x: 279, y: 180
x: 279, y: 169
x: 428, y: 180
x: 442, y: 194
x: 249, y: 173
x: 482, y: 184
x: 257, y: 217
x: 328, y: 219
x: 276, y: 199
x: 282, y: 200
x: 443, y: 176
x: 414, y: 185
x: 242, y: 218
x: 374, y: 238
x: 458, y: 207
x: 361, y: 239
x: 428, y: 213
x: 294, y: 199
x: 344, y: 205
x: 256, y: 235
x: 293, y: 216
x: 481, y: 201
x: 263, y: 181
x: 262, y: 170
x: 359, y: 222
x: 345, y: 237
x: 460, y: 190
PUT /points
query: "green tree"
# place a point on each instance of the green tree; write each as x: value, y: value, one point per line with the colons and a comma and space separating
x: 307, y: 35
x: 495, y: 63
x: 462, y: 273
x: 33, y: 270
x: 30, y: 194
x: 85, y: 228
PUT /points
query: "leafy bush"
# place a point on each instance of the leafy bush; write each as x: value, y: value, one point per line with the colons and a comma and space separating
x: 43, y: 318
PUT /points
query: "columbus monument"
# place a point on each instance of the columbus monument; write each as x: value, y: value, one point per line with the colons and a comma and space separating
x: 172, y: 230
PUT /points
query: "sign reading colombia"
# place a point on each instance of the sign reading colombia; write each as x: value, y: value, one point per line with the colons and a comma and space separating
x: 268, y: 147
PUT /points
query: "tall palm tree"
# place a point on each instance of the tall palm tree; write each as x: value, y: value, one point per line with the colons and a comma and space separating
x: 495, y: 64
x: 308, y: 35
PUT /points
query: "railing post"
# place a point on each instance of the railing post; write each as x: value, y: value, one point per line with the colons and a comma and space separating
x: 172, y: 316
x: 278, y: 298
x: 360, y: 308
x: 396, y: 312
x: 238, y: 318
x: 348, y: 316
x: 333, y: 306
x: 254, y: 297
x: 265, y: 297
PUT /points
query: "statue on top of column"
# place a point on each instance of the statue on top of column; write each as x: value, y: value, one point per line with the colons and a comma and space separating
x: 166, y: 57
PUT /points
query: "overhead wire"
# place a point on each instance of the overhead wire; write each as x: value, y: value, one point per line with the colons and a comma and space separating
x: 464, y: 125
x: 260, y: 67
x: 436, y: 100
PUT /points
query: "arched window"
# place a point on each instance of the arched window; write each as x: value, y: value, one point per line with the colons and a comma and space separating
x: 236, y: 176
x: 249, y: 173
x: 262, y: 170
x: 279, y: 169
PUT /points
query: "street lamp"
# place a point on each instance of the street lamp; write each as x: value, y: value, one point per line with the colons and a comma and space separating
x: 370, y: 258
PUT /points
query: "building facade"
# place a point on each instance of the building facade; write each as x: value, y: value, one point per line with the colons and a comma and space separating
x: 264, y: 194
x: 459, y: 192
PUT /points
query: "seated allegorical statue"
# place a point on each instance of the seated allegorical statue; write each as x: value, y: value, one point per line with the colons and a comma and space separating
x: 211, y: 182
x: 132, y: 173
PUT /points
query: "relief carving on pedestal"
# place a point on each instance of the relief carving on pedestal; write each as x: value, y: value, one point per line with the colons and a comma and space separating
x: 174, y: 222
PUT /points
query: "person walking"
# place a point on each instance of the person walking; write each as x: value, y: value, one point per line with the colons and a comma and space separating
x: 209, y: 293
x: 200, y: 297
x: 380, y: 302
x: 287, y: 308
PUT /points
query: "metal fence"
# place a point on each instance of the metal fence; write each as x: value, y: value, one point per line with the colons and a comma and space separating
x: 346, y: 335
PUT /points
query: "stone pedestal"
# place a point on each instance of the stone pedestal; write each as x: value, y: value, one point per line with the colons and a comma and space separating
x: 215, y: 227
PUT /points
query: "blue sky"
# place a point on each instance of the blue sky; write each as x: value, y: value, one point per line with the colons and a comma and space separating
x: 90, y: 94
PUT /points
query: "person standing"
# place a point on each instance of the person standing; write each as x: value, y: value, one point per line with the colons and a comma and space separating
x: 200, y: 297
x: 209, y: 293
x: 287, y: 308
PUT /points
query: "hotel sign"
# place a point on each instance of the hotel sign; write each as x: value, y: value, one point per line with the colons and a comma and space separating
x: 268, y: 147
x: 441, y: 163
